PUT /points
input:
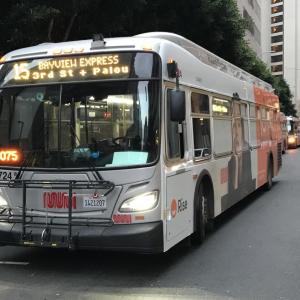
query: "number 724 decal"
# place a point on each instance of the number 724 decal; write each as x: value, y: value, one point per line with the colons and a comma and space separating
x: 7, y: 175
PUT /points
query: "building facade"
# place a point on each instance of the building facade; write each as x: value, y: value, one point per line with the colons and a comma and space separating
x: 290, y: 46
x: 285, y: 44
x: 257, y: 13
x: 277, y: 37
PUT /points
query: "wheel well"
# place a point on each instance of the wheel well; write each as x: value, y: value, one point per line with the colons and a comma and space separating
x: 208, y: 190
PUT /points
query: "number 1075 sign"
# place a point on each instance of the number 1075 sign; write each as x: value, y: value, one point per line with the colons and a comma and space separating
x: 10, y: 156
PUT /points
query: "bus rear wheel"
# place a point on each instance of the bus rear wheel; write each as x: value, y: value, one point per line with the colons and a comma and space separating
x: 269, y: 182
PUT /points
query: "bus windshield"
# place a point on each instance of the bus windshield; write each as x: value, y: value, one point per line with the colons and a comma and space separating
x: 107, y: 124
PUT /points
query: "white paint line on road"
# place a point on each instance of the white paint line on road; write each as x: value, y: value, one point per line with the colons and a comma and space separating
x: 17, y: 263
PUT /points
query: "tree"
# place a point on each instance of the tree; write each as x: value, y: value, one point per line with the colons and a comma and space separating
x: 214, y: 24
x: 284, y: 93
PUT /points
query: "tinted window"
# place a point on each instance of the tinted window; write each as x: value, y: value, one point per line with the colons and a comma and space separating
x: 200, y: 103
x: 202, y: 142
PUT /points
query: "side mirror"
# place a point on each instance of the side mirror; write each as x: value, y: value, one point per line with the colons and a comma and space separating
x: 176, y: 100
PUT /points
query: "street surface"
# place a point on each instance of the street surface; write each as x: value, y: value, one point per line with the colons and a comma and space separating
x: 253, y: 254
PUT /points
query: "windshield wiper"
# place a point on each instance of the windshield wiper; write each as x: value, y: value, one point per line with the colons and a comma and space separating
x: 27, y: 161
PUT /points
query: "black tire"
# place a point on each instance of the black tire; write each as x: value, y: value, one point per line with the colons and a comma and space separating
x: 269, y: 183
x: 201, y: 217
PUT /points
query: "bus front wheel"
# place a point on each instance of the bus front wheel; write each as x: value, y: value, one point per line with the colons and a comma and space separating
x: 201, y: 217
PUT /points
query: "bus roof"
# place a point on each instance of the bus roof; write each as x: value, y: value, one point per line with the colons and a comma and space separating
x: 209, y: 58
x: 152, y: 40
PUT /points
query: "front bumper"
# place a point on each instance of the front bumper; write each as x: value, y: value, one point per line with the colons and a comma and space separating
x: 143, y: 237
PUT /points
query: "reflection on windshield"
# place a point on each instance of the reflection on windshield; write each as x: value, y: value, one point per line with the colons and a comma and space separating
x: 74, y: 126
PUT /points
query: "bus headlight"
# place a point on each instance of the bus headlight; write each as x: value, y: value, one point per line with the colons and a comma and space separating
x: 291, y: 140
x: 143, y: 202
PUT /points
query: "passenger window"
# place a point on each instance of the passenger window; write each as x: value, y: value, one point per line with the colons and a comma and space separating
x: 173, y: 141
x: 221, y: 107
x: 200, y: 103
x: 258, y: 113
x: 245, y: 126
x: 202, y: 142
x: 222, y: 113
x: 252, y: 111
x: 263, y: 113
x: 201, y: 125
x: 240, y: 128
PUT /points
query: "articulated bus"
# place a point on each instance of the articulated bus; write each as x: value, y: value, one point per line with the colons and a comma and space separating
x: 293, y: 128
x: 128, y: 144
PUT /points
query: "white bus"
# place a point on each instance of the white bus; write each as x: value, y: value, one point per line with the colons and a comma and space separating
x: 128, y: 143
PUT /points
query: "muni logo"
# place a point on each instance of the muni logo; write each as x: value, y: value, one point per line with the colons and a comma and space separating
x: 58, y: 200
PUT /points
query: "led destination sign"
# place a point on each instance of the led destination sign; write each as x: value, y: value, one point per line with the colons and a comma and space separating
x: 79, y: 68
x: 90, y: 67
x: 70, y: 69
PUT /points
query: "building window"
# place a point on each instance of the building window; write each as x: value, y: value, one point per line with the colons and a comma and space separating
x: 277, y: 39
x: 277, y: 48
x: 277, y: 19
x: 278, y: 68
x: 277, y: 9
x: 276, y: 29
x: 277, y: 58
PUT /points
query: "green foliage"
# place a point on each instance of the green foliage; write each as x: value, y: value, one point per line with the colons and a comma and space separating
x: 283, y: 91
x: 214, y: 24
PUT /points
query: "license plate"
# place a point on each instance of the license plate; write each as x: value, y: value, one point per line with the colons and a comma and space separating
x: 92, y: 202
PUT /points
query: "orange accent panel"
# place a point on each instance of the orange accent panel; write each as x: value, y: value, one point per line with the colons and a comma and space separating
x: 267, y: 133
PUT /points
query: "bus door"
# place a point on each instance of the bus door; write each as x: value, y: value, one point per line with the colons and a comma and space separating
x: 179, y: 181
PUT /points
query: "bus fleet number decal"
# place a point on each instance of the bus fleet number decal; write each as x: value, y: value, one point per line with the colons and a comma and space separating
x: 7, y: 175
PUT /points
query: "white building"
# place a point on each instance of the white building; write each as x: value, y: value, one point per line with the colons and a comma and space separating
x: 277, y: 37
x: 291, y: 46
x: 258, y: 13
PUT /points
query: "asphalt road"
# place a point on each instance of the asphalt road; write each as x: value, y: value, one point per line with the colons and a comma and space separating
x: 254, y: 253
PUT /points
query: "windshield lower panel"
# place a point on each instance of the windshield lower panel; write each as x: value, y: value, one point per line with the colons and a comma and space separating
x: 105, y: 125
